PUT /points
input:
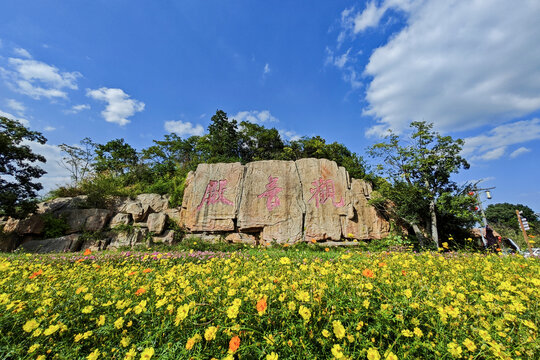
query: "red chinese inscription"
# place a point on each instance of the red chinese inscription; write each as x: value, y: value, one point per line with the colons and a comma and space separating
x: 324, y: 190
x: 214, y: 193
x: 271, y: 192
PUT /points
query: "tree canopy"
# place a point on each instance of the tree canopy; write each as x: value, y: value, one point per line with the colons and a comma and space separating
x: 18, y: 187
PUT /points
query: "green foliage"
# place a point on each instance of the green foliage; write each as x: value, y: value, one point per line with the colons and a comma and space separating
x: 18, y: 171
x: 54, y: 226
x: 116, y: 157
x: 504, y: 215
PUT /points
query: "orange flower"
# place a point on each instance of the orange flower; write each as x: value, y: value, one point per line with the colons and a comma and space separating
x: 146, y: 271
x: 403, y: 272
x: 261, y: 305
x: 368, y: 273
x: 39, y: 272
x: 381, y: 264
x: 87, y: 252
x: 326, y: 249
x: 132, y: 273
x: 314, y: 241
x: 140, y: 291
x: 234, y: 344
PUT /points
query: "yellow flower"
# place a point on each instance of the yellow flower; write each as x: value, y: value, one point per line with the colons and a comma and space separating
x: 339, y: 330
x: 30, y: 325
x: 284, y: 260
x: 445, y: 245
x: 304, y: 312
x: 407, y: 293
x: 101, y: 320
x: 325, y: 333
x: 51, y: 330
x: 125, y: 341
x: 41, y: 357
x: 391, y: 356
x: 190, y: 343
x: 302, y: 295
x: 147, y: 353
x: 469, y: 344
x: 33, y: 348
x: 373, y: 354
x: 130, y: 355
x: 454, y: 349
x: 181, y: 314
x: 119, y: 323
x: 210, y: 333
x: 93, y: 355
x: 337, y: 351
x: 407, y: 333
x: 272, y: 356
x: 87, y: 309
x: 418, y: 332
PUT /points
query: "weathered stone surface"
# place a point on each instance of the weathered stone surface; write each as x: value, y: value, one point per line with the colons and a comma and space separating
x: 325, y: 189
x: 128, y: 238
x: 363, y: 221
x: 272, y: 201
x: 137, y: 210
x: 62, y: 203
x: 166, y: 238
x: 67, y: 243
x: 212, y: 196
x: 174, y: 215
x: 155, y: 202
x: 241, y: 238
x: 156, y: 222
x: 33, y: 224
x: 86, y: 219
x: 120, y: 219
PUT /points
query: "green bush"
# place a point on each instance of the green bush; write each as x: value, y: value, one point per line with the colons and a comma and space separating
x: 54, y: 226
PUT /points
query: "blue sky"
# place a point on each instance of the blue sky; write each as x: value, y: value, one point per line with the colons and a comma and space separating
x: 345, y: 70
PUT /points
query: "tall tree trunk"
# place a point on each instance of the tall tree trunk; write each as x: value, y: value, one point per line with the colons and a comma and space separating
x: 434, y: 231
x: 419, y: 235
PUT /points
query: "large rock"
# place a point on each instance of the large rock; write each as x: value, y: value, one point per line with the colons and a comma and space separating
x: 272, y: 201
x: 325, y: 188
x: 166, y: 238
x: 363, y: 222
x: 156, y: 222
x: 137, y: 210
x: 32, y: 225
x: 156, y: 202
x: 241, y: 238
x: 86, y: 219
x: 211, y: 197
x: 135, y: 236
x: 67, y: 243
x: 62, y: 203
x: 120, y: 219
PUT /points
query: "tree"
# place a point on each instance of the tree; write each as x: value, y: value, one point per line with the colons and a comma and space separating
x: 223, y: 141
x: 17, y: 186
x: 504, y: 215
x: 425, y: 165
x: 78, y: 159
x: 259, y: 143
x: 115, y: 156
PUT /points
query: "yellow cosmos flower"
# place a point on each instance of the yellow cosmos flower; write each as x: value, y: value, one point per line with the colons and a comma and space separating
x: 93, y: 355
x: 391, y: 356
x: 272, y: 356
x: 30, y: 325
x: 147, y: 353
x: 407, y: 333
x: 407, y: 293
x: 181, y: 314
x: 339, y: 330
x: 130, y: 355
x: 418, y: 332
x: 454, y: 349
x: 210, y: 333
x: 337, y: 351
x: 373, y: 354
x: 125, y: 341
x: 87, y: 309
x: 119, y: 323
x: 304, y: 312
x: 326, y: 333
x: 101, y: 320
x: 33, y: 348
x: 51, y: 330
x: 284, y: 261
x: 469, y: 344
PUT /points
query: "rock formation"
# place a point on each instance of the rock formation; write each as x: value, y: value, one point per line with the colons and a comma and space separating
x: 261, y: 202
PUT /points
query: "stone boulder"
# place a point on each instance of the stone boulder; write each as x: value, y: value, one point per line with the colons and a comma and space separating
x: 156, y: 222
x: 32, y: 225
x: 69, y: 243
x: 137, y: 210
x: 130, y: 238
x: 86, y: 219
x: 156, y: 202
x: 325, y: 188
x: 120, y: 219
x: 241, y: 238
x: 166, y: 238
x: 271, y: 202
x: 62, y: 203
x: 212, y: 196
x: 363, y: 222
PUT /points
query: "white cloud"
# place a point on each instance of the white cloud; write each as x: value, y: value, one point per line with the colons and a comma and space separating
x: 522, y: 150
x: 289, y: 135
x: 77, y: 109
x: 119, y: 106
x: 182, y: 128
x: 38, y: 79
x: 344, y: 62
x: 460, y: 64
x: 254, y: 116
x: 16, y: 106
x: 266, y: 69
x: 22, y: 52
x: 49, y: 128
x: 493, y: 144
x: 13, y: 117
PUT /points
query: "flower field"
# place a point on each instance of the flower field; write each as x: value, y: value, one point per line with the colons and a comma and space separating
x: 269, y: 304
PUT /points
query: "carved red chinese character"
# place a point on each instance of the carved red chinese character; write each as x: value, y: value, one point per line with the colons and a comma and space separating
x: 271, y: 192
x: 324, y: 190
x: 214, y: 193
